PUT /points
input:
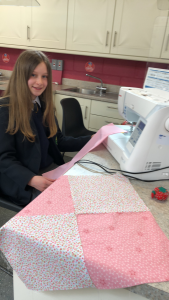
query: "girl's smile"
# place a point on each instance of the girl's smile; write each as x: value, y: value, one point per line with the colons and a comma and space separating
x: 38, y: 81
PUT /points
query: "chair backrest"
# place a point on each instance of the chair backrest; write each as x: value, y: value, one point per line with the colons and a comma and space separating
x: 72, y: 116
x: 5, y: 203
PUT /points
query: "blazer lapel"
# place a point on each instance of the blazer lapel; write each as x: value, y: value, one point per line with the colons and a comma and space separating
x: 37, y: 141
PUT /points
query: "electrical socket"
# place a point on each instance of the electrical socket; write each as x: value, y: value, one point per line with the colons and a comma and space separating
x: 59, y: 66
x: 54, y: 64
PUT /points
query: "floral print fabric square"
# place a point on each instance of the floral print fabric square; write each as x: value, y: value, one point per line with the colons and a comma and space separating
x: 46, y: 252
x: 104, y: 194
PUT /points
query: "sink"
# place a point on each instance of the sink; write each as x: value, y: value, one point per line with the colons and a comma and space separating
x: 110, y: 95
x: 81, y: 91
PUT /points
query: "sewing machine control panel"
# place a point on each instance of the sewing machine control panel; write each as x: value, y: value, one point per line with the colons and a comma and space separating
x: 137, y: 132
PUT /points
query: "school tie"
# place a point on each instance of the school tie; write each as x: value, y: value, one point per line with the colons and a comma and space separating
x: 36, y: 107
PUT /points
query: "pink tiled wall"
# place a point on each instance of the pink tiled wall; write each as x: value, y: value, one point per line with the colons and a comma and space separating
x: 111, y: 71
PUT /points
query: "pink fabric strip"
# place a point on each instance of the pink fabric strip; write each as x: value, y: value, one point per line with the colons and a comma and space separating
x: 97, y: 139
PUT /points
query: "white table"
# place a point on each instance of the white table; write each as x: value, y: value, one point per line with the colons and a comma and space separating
x: 102, y: 156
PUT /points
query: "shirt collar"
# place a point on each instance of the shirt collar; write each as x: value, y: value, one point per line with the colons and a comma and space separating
x: 36, y: 100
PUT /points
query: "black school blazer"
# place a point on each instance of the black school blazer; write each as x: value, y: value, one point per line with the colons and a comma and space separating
x: 20, y: 159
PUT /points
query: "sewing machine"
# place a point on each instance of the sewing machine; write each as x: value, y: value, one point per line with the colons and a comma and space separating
x: 145, y: 146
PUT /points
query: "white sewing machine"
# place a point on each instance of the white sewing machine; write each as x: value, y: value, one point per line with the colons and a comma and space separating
x: 146, y: 148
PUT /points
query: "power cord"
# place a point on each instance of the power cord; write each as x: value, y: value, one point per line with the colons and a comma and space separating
x: 113, y: 171
x: 6, y: 271
x: 93, y: 171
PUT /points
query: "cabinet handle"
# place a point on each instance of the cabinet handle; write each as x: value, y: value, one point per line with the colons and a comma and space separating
x: 114, y: 41
x: 167, y: 43
x: 107, y: 37
x: 28, y: 33
x: 85, y: 112
x: 111, y: 107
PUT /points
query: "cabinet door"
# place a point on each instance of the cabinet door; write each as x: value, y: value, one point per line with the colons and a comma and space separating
x: 105, y: 109
x: 12, y: 25
x: 96, y: 122
x: 103, y: 113
x: 90, y: 25
x: 138, y: 29
x: 47, y: 24
x: 165, y: 48
x: 85, y: 107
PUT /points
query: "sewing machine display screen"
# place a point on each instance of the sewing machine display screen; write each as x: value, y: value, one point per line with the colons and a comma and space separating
x: 141, y: 125
x: 137, y: 132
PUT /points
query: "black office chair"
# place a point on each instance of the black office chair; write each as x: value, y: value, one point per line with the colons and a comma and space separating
x: 72, y: 124
x: 5, y: 203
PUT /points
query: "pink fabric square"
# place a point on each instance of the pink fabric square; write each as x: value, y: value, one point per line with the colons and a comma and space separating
x: 55, y: 200
x: 124, y: 249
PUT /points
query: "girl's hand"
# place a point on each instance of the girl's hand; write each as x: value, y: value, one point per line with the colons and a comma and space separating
x: 40, y: 183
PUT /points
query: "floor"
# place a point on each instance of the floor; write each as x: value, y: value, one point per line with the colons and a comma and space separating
x: 6, y: 281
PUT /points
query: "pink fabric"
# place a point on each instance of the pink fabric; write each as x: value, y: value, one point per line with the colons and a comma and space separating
x: 123, y: 249
x: 97, y: 139
x: 75, y: 236
x: 54, y: 200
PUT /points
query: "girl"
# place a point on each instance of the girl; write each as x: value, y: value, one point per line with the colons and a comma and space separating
x: 30, y: 138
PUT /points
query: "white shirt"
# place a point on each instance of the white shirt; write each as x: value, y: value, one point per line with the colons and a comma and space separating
x: 37, y: 101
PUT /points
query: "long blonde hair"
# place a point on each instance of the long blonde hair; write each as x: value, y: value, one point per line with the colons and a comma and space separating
x: 20, y: 98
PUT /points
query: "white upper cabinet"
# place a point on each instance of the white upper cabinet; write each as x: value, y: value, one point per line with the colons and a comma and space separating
x: 90, y: 25
x: 133, y: 29
x: 46, y: 24
x: 138, y: 29
x: 12, y: 29
x: 165, y: 48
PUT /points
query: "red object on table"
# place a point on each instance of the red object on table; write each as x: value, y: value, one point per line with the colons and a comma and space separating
x: 125, y: 123
x: 160, y: 193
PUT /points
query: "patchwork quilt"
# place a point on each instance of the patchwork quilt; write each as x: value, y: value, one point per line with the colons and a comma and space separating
x: 86, y: 231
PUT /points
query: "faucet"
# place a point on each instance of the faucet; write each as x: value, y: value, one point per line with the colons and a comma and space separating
x: 100, y: 88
